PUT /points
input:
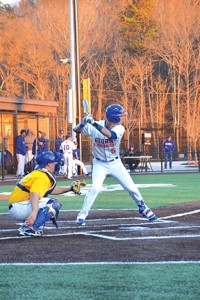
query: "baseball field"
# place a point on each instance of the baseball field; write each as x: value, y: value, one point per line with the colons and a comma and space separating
x: 118, y: 254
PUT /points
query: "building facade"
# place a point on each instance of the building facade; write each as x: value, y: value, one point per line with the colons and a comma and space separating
x: 36, y: 115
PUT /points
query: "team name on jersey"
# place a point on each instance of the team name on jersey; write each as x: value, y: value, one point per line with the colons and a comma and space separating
x: 104, y: 143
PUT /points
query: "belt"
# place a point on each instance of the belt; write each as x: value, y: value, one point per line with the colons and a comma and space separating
x: 107, y: 160
x: 10, y: 206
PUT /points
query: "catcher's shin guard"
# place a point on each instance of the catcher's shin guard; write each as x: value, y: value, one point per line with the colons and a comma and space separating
x: 49, y: 212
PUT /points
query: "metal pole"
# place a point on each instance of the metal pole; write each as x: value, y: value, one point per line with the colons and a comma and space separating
x: 72, y: 63
x: 75, y: 68
x: 77, y: 61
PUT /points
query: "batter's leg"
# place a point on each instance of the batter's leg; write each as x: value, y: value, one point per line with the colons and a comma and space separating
x: 128, y: 184
x: 98, y: 176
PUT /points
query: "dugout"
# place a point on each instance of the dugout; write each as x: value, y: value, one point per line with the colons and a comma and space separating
x: 36, y: 115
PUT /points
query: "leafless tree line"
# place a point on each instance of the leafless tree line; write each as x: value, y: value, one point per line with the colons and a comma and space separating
x: 158, y: 86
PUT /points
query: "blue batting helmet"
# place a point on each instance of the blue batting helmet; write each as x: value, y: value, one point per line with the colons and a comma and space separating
x: 114, y: 112
x: 45, y: 157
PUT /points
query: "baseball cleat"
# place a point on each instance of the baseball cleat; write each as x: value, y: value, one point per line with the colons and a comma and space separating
x: 28, y: 231
x: 80, y: 222
x: 147, y: 212
x: 22, y: 229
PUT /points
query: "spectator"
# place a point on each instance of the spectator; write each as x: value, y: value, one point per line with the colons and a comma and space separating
x: 29, y: 140
x: 59, y: 140
x: 40, y: 144
x: 21, y: 153
x: 67, y: 148
x: 169, y: 147
x: 6, y: 138
x: 78, y: 162
x: 131, y: 162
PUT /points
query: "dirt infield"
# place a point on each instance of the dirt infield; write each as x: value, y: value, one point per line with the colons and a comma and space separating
x: 109, y: 236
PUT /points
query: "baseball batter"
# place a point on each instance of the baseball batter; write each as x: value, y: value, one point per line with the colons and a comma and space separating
x: 106, y: 138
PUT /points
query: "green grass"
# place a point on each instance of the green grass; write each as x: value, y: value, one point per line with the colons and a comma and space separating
x: 100, y: 282
x: 105, y: 281
x: 186, y: 188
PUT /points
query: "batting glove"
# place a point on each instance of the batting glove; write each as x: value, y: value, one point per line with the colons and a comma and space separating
x: 88, y: 119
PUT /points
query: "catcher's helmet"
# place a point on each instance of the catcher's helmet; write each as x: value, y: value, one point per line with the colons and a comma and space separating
x: 114, y: 112
x: 45, y: 157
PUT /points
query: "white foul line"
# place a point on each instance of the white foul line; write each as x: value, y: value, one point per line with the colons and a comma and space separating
x: 144, y: 237
x: 104, y: 263
x: 90, y: 233
x: 111, y: 237
x: 183, y: 214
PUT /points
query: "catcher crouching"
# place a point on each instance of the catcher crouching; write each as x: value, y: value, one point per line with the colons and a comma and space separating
x: 29, y: 201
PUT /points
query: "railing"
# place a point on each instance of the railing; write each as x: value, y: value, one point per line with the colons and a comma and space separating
x: 147, y: 163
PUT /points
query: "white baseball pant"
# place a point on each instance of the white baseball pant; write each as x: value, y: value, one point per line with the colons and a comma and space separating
x: 21, y: 164
x: 21, y: 210
x: 68, y: 164
x: 100, y: 171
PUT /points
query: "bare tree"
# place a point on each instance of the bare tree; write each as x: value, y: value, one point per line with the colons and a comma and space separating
x: 178, y: 47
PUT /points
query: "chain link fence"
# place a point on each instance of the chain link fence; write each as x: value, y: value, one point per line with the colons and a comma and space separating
x: 151, y: 161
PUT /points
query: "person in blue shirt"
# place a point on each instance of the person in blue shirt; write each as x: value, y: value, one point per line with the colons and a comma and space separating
x: 20, y: 150
x: 59, y: 140
x: 40, y: 144
x: 169, y: 146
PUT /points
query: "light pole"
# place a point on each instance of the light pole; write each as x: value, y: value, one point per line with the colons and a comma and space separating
x: 74, y: 93
x: 74, y: 65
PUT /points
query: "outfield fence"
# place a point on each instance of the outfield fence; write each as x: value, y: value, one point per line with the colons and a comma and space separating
x: 149, y: 163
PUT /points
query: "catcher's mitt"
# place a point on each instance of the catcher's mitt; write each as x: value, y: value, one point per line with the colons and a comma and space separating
x: 76, y: 186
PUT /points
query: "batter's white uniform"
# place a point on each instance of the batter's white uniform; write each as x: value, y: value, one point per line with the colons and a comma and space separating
x: 107, y: 162
x: 67, y: 148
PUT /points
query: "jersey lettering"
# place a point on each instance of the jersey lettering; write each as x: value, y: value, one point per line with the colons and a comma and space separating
x: 65, y: 147
x: 106, y: 145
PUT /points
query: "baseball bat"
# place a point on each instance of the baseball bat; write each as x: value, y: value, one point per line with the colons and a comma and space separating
x: 85, y: 106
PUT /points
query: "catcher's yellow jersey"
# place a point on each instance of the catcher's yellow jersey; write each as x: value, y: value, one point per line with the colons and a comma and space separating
x: 37, y: 181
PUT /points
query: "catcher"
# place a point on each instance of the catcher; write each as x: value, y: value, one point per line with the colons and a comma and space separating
x: 29, y: 200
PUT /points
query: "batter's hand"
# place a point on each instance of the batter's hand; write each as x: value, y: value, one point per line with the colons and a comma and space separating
x: 88, y: 119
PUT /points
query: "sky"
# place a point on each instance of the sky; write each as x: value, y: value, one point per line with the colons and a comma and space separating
x: 11, y: 2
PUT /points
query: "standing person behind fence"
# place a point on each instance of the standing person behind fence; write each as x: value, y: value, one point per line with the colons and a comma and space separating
x: 66, y: 149
x: 106, y: 138
x: 77, y: 162
x: 6, y: 139
x: 20, y: 149
x: 169, y: 146
x: 29, y: 139
x: 40, y: 144
x: 59, y: 140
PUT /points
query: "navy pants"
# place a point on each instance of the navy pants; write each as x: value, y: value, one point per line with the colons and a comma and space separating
x: 168, y: 158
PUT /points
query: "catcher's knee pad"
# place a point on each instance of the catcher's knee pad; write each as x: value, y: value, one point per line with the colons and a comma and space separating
x: 54, y: 206
x: 49, y: 212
